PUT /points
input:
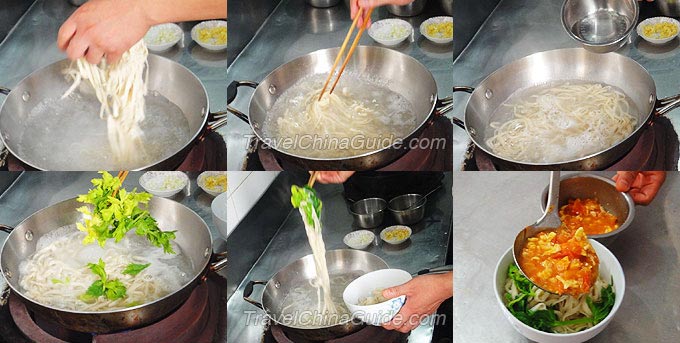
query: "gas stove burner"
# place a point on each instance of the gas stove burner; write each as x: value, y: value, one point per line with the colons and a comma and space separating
x: 656, y: 149
x: 208, y: 154
x: 415, y: 160
x: 200, y: 319
x: 276, y: 334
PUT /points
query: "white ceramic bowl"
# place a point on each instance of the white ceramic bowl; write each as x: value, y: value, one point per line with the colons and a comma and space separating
x: 364, y: 285
x: 609, y: 268
x: 173, y: 32
x: 392, y: 228
x: 219, y: 213
x: 209, y: 24
x: 657, y: 20
x: 158, y: 182
x: 382, y: 31
x: 359, y: 239
x: 201, y: 182
x: 436, y: 20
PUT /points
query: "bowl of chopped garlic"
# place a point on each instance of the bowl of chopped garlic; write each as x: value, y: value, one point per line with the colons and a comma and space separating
x: 390, y: 32
x: 658, y: 30
x: 211, y: 34
x: 438, y: 29
x: 162, y: 37
x: 163, y: 183
x: 213, y: 182
x: 395, y: 234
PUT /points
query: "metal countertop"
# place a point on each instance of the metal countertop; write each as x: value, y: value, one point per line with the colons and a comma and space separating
x: 295, y: 29
x: 518, y: 28
x: 490, y: 209
x: 426, y: 249
x: 33, y: 44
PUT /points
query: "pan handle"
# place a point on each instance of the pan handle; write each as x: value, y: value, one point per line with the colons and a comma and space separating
x: 248, y: 291
x: 458, y: 122
x: 6, y: 228
x: 665, y: 105
x: 5, y: 90
x: 220, y: 262
x: 438, y: 270
x: 232, y: 91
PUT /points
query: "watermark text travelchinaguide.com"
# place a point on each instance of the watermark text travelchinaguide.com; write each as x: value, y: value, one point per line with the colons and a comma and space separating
x: 319, y: 319
x: 354, y: 143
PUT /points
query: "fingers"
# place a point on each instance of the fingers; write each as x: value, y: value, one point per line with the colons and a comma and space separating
x: 113, y: 57
x: 624, y: 180
x: 354, y: 8
x: 77, y: 47
x: 94, y: 55
x: 66, y: 32
x: 642, y: 198
x: 394, y: 292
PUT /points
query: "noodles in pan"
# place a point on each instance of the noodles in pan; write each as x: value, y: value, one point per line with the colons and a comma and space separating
x: 562, y: 122
x: 120, y: 88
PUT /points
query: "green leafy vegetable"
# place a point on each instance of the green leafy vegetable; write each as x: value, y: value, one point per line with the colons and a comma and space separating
x: 306, y: 199
x: 113, y: 216
x: 65, y: 281
x: 134, y: 269
x: 111, y: 289
x: 546, y: 320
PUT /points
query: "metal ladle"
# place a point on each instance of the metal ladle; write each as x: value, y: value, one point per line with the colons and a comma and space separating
x: 550, y: 221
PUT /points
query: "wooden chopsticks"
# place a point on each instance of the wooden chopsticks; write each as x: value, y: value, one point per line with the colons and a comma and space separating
x: 121, y: 175
x: 312, y: 179
x: 367, y: 17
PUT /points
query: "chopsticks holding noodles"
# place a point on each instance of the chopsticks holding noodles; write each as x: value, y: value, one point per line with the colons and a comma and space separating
x: 312, y: 179
x: 121, y: 175
x: 367, y: 17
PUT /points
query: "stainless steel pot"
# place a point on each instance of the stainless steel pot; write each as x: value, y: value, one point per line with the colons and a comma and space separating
x: 300, y: 272
x: 170, y: 79
x: 193, y: 237
x: 599, y: 24
x: 322, y: 3
x: 412, y: 9
x: 447, y: 5
x: 408, y: 209
x: 406, y: 76
x: 670, y: 8
x: 368, y: 213
x: 566, y: 65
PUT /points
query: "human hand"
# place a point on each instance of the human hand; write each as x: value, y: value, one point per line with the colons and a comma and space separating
x: 366, y: 4
x: 642, y: 186
x: 101, y: 28
x: 333, y: 176
x: 424, y: 294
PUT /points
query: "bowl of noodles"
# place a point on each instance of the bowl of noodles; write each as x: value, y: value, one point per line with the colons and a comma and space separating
x: 545, y: 317
x: 365, y: 300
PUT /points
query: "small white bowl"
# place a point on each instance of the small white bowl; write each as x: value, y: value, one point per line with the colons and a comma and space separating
x: 163, y: 183
x: 209, y: 24
x: 381, y: 31
x: 364, y: 285
x: 173, y: 31
x: 359, y: 239
x: 436, y: 20
x: 657, y: 20
x: 201, y: 182
x: 609, y: 268
x: 384, y: 232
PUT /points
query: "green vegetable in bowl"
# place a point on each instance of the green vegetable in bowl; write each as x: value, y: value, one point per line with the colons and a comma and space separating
x: 546, y: 320
x: 305, y: 198
x: 114, y: 215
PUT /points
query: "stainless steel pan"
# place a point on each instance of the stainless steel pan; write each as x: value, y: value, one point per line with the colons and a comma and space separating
x: 300, y: 272
x: 193, y: 236
x: 406, y: 76
x: 567, y: 65
x: 166, y: 77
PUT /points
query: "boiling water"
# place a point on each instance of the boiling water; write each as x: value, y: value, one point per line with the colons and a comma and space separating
x: 302, y: 303
x: 391, y: 116
x: 67, y: 134
x: 601, y: 27
x: 64, y: 258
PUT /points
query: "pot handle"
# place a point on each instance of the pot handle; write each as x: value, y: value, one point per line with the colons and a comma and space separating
x: 438, y: 270
x: 220, y: 262
x: 465, y: 89
x: 4, y: 90
x: 232, y: 91
x: 248, y: 291
x: 6, y: 228
x: 666, y: 105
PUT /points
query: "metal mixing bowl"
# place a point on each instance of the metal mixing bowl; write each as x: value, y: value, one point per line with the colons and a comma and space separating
x: 600, y: 25
x: 408, y: 209
x: 584, y: 186
x: 323, y: 3
x: 368, y: 213
x: 413, y: 9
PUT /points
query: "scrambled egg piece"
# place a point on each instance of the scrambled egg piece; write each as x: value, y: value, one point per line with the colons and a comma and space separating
x: 440, y: 30
x: 215, y: 35
x: 216, y: 183
x: 660, y: 30
x: 396, y: 235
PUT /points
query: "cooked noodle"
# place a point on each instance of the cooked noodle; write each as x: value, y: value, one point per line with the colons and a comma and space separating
x: 120, y: 88
x: 322, y: 281
x: 566, y: 307
x: 57, y: 273
x: 562, y: 123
